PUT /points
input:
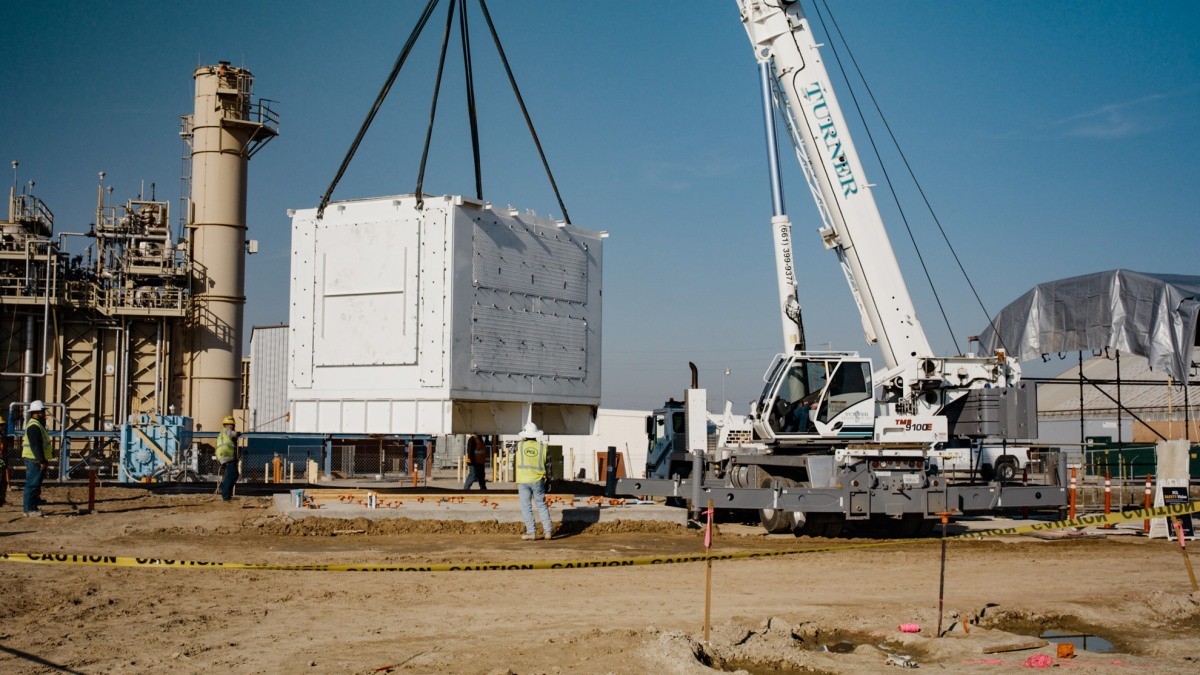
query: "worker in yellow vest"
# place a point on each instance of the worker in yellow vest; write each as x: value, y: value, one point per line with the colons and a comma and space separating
x: 37, y: 453
x: 477, y: 456
x: 227, y: 456
x: 531, y: 471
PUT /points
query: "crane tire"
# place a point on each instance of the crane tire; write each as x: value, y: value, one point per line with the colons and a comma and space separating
x: 776, y: 521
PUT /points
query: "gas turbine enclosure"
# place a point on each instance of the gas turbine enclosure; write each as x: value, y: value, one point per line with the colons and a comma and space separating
x: 453, y: 318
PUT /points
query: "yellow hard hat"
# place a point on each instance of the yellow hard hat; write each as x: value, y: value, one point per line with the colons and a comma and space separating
x: 228, y: 420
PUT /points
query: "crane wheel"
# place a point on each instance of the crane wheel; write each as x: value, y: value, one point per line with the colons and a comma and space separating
x: 820, y: 525
x: 776, y: 521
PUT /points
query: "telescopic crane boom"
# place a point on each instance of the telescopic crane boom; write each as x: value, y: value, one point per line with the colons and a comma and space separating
x: 913, y: 380
x: 783, y: 44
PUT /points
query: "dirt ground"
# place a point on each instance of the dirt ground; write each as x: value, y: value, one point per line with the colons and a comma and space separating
x: 833, y: 611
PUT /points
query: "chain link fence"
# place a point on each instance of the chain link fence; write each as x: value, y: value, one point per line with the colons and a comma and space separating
x: 262, y: 460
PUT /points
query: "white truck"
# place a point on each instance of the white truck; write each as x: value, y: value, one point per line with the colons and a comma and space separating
x: 836, y: 439
x: 999, y: 462
x: 666, y: 434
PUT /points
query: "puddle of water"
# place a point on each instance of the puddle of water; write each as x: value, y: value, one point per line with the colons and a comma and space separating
x: 840, y: 647
x: 1091, y: 643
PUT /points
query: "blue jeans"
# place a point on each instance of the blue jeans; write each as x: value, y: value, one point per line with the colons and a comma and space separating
x: 33, y: 484
x: 229, y: 477
x: 478, y: 472
x: 534, y: 493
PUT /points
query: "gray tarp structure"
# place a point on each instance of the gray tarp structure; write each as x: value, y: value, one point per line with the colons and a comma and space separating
x: 1151, y: 315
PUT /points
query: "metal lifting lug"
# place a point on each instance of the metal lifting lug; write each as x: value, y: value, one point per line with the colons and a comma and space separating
x: 829, y: 237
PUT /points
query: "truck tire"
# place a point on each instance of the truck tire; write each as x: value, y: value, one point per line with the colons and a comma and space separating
x: 915, y: 525
x: 776, y: 521
x: 1006, y: 469
x: 827, y: 525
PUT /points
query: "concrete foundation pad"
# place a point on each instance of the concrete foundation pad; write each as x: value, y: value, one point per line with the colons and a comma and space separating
x: 506, y: 509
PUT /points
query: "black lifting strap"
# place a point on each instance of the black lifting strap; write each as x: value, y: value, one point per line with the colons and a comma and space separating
x: 437, y: 87
x: 471, y: 107
x: 524, y: 111
x: 469, y: 74
x: 387, y: 86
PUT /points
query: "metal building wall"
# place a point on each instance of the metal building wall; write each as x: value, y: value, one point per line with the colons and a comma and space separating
x: 268, y: 378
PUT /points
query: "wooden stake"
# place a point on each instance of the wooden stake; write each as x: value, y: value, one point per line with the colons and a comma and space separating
x: 942, y: 576
x: 708, y: 570
x: 1182, y: 549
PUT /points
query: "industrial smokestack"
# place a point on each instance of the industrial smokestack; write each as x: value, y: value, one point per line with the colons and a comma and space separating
x: 227, y: 128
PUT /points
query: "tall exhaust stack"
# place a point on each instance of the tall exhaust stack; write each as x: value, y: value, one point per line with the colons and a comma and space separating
x: 227, y: 128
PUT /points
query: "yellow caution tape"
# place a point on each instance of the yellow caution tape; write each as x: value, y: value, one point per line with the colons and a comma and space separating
x: 1089, y: 521
x: 126, y: 561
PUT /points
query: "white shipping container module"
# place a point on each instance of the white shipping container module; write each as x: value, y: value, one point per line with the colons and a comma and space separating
x: 456, y: 318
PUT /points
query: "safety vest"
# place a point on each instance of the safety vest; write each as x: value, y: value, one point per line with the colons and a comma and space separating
x: 476, y: 451
x: 226, y: 450
x: 35, y: 427
x: 531, y: 461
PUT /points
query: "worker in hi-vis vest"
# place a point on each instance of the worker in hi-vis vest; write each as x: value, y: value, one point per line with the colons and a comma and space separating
x: 37, y: 453
x: 227, y: 456
x: 531, y: 470
x: 477, y: 455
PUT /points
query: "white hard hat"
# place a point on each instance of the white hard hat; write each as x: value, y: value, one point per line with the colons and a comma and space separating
x: 37, y: 406
x: 531, y: 431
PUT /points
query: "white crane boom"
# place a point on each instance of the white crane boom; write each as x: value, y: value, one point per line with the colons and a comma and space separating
x: 853, y: 228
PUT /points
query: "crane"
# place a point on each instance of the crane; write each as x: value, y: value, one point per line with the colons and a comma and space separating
x: 915, y: 383
x: 835, y: 439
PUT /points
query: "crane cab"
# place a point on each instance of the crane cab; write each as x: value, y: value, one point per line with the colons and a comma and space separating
x: 816, y: 395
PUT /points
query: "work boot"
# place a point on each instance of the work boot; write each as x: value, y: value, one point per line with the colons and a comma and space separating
x: 549, y: 534
x: 528, y: 537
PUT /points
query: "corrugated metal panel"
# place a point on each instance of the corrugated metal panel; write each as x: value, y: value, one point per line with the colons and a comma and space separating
x: 269, y: 378
x: 512, y: 257
x: 509, y: 341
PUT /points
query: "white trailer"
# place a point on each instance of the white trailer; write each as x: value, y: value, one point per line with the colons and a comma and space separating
x: 452, y: 318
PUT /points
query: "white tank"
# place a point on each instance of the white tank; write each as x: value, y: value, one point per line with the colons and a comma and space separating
x: 457, y: 318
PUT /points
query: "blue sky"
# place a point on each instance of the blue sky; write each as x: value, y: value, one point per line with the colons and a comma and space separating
x: 1053, y: 139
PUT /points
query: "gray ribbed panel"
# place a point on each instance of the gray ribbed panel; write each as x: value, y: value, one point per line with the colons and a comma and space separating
x: 512, y: 258
x: 528, y: 343
x: 268, y: 378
